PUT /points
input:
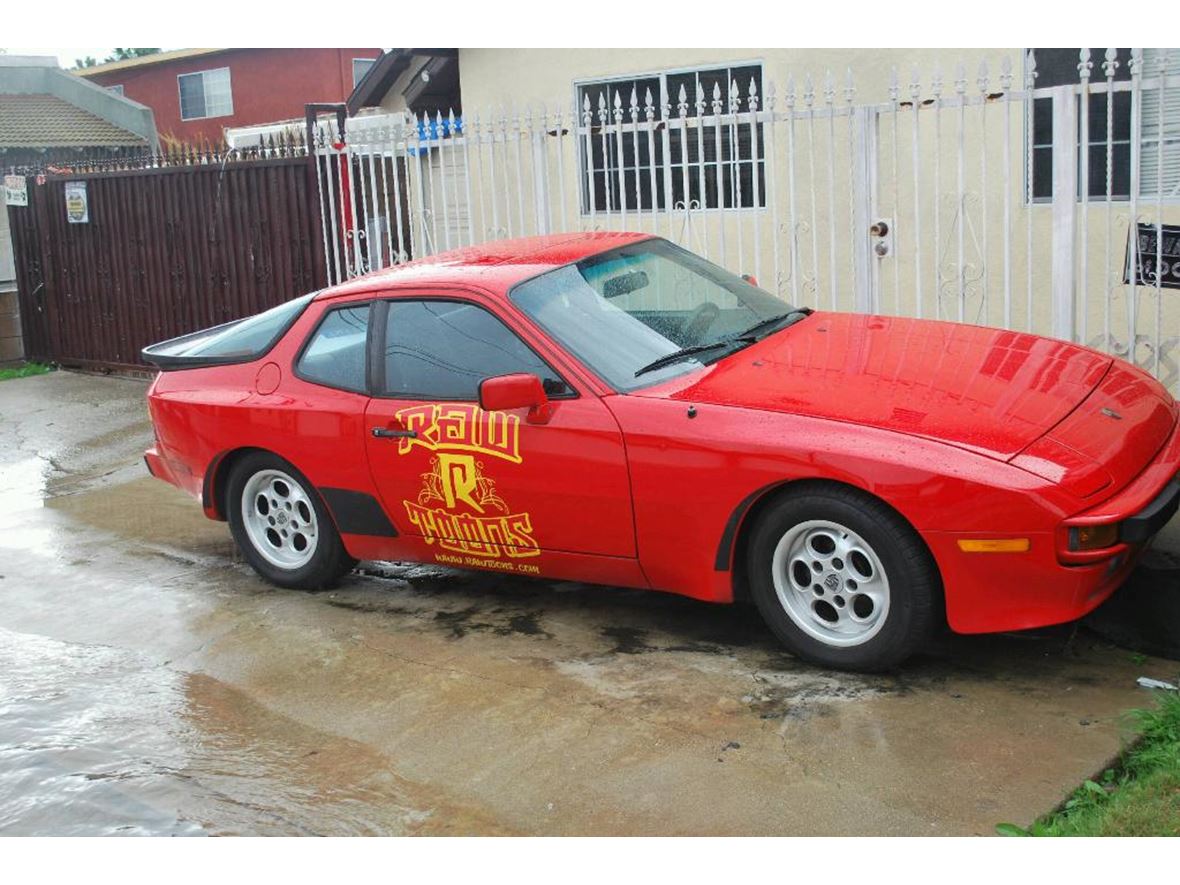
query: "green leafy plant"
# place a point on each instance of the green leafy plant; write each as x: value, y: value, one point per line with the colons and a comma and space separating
x: 24, y: 371
x: 1138, y: 796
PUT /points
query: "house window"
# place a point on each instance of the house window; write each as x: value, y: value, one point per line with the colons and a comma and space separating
x: 117, y: 89
x: 205, y: 94
x: 1059, y: 67
x: 360, y: 67
x: 698, y: 162
x: 1151, y: 175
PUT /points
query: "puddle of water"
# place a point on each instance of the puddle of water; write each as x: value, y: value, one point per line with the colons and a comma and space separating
x: 99, y: 741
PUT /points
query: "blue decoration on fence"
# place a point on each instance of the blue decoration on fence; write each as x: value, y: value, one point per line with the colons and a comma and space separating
x: 432, y: 131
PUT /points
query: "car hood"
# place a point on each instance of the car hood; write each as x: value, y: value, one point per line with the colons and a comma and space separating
x: 981, y: 389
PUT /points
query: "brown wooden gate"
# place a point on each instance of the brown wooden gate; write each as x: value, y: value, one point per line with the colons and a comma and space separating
x: 165, y: 251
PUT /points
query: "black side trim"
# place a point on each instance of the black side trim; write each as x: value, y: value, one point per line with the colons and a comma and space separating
x: 1144, y: 525
x: 207, y: 498
x: 358, y: 513
x: 148, y: 465
x: 725, y: 546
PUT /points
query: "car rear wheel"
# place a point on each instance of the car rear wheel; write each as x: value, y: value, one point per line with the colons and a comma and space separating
x: 281, y: 525
x: 842, y: 579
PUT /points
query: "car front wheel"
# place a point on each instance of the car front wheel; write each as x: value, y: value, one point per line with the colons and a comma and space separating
x: 281, y: 525
x: 842, y: 579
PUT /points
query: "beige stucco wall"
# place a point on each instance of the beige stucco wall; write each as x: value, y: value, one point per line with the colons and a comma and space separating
x: 1007, y: 270
x: 491, y: 77
x: 1007, y: 267
x: 11, y: 347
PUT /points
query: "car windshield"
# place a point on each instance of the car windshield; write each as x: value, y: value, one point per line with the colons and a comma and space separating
x: 622, y: 311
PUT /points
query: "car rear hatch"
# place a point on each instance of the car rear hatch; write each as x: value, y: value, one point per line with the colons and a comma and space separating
x: 1108, y: 439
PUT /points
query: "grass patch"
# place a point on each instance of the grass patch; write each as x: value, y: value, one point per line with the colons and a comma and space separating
x: 24, y: 371
x: 1139, y: 796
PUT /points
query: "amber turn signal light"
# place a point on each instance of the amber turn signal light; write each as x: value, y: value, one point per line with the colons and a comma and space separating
x: 1093, y: 537
x: 995, y: 545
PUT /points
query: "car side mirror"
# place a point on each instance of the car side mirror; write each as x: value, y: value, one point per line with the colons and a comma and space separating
x: 520, y: 390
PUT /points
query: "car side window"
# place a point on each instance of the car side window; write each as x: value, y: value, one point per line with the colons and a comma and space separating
x: 335, y: 353
x: 437, y: 349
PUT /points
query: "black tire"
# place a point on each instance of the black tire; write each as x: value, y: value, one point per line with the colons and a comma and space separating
x: 327, y: 563
x: 914, y: 591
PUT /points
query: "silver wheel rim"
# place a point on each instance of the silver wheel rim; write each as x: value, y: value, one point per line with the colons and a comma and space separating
x: 831, y: 583
x: 280, y: 520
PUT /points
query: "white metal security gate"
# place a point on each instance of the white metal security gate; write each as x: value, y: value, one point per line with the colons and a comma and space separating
x: 956, y: 198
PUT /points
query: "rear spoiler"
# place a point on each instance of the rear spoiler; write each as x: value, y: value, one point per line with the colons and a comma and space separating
x: 175, y: 352
x: 220, y: 346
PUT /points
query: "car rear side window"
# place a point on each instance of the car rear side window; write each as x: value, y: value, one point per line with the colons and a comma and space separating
x: 335, y: 353
x: 443, y: 349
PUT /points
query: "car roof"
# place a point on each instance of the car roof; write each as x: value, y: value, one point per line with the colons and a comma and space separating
x: 496, y: 266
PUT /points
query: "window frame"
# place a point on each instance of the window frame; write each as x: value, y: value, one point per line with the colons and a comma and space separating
x: 355, y: 80
x: 1134, y: 141
x: 669, y: 169
x: 201, y: 74
x: 315, y: 329
x: 379, y: 321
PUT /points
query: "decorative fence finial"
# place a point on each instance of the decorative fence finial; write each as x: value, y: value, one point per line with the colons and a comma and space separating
x: 1006, y: 74
x: 1111, y: 64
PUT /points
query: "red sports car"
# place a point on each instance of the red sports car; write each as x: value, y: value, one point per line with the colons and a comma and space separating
x: 611, y: 408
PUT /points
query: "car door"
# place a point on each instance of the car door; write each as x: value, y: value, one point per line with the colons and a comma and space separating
x: 494, y: 486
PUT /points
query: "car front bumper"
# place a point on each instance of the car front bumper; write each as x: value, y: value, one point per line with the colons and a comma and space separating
x: 987, y: 593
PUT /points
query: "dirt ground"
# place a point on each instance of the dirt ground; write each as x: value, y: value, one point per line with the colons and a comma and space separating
x: 151, y: 683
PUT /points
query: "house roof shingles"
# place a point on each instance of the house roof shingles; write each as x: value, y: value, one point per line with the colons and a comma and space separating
x: 46, y: 121
x: 141, y: 61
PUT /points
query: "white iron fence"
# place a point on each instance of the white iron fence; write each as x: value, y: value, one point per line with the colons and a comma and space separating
x: 983, y: 198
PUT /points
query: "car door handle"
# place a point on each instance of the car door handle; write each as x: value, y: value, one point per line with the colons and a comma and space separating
x: 390, y: 433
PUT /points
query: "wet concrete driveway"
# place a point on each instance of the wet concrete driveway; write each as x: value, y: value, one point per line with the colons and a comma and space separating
x: 151, y: 683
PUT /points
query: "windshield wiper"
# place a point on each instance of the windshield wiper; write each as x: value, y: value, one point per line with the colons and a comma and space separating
x: 749, y: 334
x: 678, y: 355
x: 747, y: 337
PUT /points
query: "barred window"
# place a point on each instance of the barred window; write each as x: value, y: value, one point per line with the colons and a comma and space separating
x: 628, y: 163
x: 1059, y: 67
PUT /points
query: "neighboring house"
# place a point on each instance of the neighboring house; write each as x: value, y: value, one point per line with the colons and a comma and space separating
x: 424, y: 81
x: 47, y: 117
x: 197, y: 93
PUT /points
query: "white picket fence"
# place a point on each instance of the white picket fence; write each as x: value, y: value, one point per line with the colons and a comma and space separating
x: 957, y: 198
